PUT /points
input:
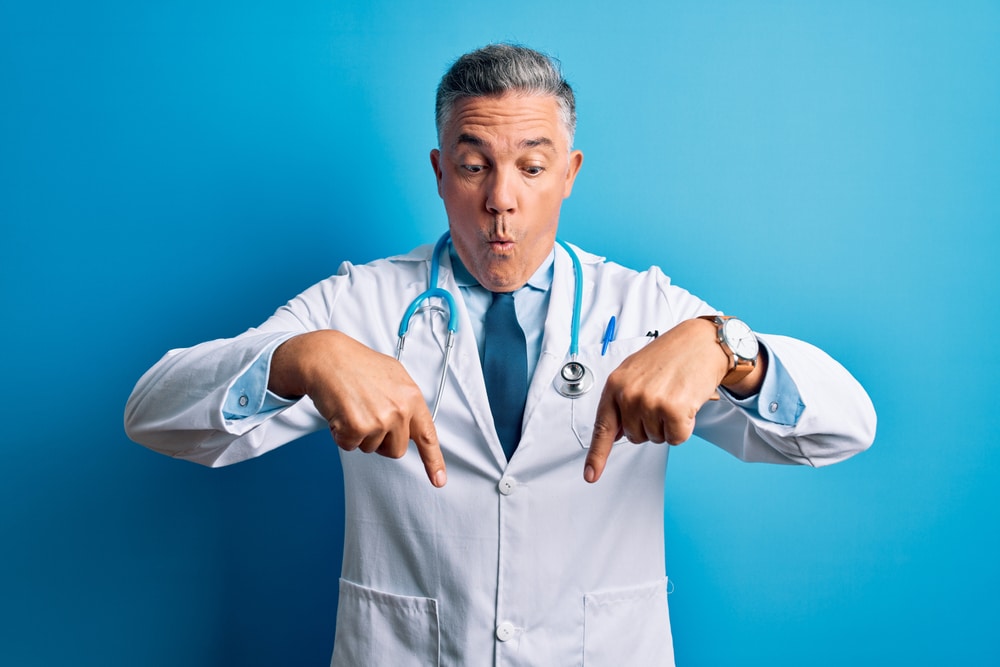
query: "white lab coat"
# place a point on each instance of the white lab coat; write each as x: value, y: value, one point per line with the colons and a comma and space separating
x: 519, y: 563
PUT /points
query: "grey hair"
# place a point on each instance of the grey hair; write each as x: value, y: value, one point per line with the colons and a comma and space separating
x: 497, y: 69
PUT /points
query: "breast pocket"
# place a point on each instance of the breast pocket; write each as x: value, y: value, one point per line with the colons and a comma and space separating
x: 375, y: 629
x: 583, y: 409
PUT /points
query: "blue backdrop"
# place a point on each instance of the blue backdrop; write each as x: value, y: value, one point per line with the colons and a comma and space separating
x: 173, y: 172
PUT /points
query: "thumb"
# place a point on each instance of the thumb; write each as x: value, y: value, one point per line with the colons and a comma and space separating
x: 607, y: 428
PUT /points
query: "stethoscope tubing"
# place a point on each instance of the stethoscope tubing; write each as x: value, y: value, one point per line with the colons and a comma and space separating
x: 574, y: 332
x: 432, y: 291
x: 576, y: 378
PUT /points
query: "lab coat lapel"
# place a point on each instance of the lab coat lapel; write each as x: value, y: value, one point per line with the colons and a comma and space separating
x: 556, y: 337
x: 467, y: 370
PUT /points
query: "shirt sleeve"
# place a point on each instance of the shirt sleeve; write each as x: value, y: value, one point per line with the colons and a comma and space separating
x: 248, y: 395
x: 778, y: 400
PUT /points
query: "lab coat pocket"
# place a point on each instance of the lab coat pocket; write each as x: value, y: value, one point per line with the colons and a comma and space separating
x: 375, y: 629
x: 629, y: 626
x: 584, y: 407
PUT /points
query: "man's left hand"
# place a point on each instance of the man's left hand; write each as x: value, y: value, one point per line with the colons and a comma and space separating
x: 654, y: 395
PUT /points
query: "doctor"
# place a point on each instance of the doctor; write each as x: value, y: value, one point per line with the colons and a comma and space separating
x: 539, y: 539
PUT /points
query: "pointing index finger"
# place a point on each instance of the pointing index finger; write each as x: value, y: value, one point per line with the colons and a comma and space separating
x: 424, y: 436
x: 607, y: 426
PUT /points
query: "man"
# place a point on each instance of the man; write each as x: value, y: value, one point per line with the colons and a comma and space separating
x: 514, y: 554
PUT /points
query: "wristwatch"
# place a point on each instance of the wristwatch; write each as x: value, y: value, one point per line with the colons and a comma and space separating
x: 739, y: 343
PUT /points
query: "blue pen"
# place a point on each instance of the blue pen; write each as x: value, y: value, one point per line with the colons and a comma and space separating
x: 609, y: 335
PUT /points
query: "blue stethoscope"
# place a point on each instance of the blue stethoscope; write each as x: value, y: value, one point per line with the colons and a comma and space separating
x: 574, y: 379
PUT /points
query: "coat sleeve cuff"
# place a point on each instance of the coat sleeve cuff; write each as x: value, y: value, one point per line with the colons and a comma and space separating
x: 248, y: 395
x: 778, y: 401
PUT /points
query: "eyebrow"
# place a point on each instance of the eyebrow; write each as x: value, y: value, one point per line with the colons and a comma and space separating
x: 540, y: 141
x: 473, y: 140
x: 469, y: 139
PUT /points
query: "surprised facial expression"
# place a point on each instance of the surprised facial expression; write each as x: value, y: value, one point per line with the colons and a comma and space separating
x: 504, y: 167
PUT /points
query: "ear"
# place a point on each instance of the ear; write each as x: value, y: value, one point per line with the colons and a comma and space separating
x: 438, y: 173
x: 575, y: 162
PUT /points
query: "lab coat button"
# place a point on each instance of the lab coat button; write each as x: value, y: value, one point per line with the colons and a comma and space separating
x: 505, y: 631
x: 507, y: 485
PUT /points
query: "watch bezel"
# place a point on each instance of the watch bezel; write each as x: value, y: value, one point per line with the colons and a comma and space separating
x: 739, y: 338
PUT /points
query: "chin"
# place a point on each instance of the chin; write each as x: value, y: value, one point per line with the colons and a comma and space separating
x: 499, y: 283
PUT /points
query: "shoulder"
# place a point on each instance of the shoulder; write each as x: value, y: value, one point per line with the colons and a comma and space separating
x: 605, y: 270
x: 383, y: 277
x: 421, y: 253
x: 404, y: 266
x: 647, y: 289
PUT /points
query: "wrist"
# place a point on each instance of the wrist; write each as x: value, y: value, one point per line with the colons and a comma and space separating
x: 291, y: 364
x: 739, y: 346
x: 712, y: 340
x: 751, y: 384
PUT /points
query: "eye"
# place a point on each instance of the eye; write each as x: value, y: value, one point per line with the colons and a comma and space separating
x: 474, y: 168
x: 534, y: 170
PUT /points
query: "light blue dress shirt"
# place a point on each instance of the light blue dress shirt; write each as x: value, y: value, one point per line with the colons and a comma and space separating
x: 531, y: 303
x: 778, y: 400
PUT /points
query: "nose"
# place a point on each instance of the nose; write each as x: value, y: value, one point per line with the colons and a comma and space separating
x: 501, y: 194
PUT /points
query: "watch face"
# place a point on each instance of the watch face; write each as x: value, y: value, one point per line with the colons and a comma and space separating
x: 740, y: 339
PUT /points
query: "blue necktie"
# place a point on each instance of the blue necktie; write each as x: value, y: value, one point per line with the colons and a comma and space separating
x: 505, y: 368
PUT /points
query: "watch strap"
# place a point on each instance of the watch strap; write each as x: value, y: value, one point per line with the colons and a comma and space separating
x: 739, y: 367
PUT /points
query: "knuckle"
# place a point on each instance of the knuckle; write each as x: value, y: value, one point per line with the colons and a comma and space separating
x: 636, y: 437
x: 423, y: 433
x: 413, y: 393
x: 391, y: 451
x: 680, y: 433
x: 369, y: 445
x: 632, y: 394
x: 603, y: 428
x: 615, y: 381
x: 343, y: 442
x: 345, y: 432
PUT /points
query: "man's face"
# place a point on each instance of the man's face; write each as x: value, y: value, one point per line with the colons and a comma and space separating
x: 503, y: 170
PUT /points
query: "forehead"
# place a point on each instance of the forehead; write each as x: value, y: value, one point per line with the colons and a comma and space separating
x: 511, y: 119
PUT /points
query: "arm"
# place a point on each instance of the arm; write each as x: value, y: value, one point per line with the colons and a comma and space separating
x: 177, y: 406
x: 366, y: 398
x: 658, y: 393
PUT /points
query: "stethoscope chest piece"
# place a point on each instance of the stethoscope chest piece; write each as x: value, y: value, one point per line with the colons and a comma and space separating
x: 574, y: 379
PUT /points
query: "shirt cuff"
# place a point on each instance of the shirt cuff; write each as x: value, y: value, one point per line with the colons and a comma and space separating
x: 249, y: 396
x: 778, y: 400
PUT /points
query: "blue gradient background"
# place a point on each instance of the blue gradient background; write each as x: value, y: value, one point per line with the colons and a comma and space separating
x: 173, y: 172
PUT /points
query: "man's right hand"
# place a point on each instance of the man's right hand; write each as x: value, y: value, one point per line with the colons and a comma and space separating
x: 369, y: 400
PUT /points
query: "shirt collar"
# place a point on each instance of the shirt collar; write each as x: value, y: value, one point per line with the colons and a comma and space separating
x: 541, y: 279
